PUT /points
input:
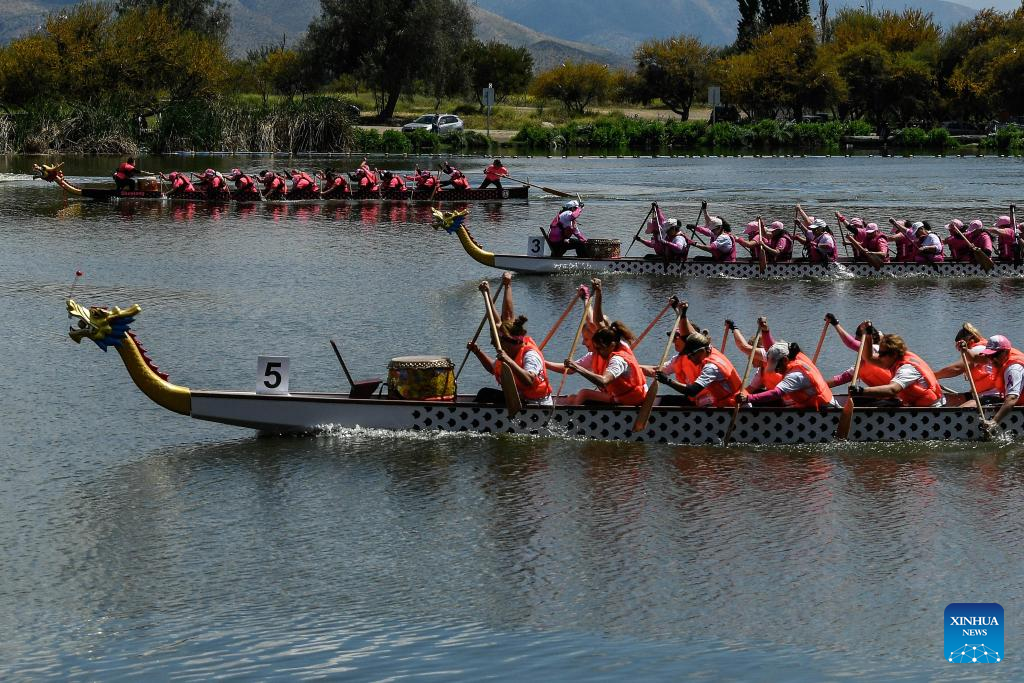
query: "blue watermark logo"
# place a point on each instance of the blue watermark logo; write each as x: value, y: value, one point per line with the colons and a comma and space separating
x: 973, y: 632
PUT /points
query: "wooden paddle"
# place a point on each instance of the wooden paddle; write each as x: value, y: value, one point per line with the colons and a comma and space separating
x: 982, y: 259
x: 652, y: 391
x: 762, y: 256
x: 437, y: 184
x: 725, y: 337
x: 974, y: 387
x: 576, y: 295
x: 636, y: 342
x: 637, y: 235
x: 572, y: 350
x: 508, y: 380
x: 479, y: 329
x: 743, y: 383
x: 557, y: 193
x: 821, y: 340
x: 846, y: 418
x: 1018, y: 247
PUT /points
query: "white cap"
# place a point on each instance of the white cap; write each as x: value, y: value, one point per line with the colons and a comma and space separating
x: 777, y: 352
x: 917, y: 226
x: 671, y: 223
x: 818, y: 224
x: 871, y: 227
x: 716, y: 221
x: 571, y: 205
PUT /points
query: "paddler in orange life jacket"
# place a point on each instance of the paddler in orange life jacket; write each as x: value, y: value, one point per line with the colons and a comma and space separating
x: 365, y: 178
x: 612, y: 367
x: 335, y: 186
x: 493, y: 174
x: 424, y: 180
x: 302, y: 183
x: 244, y: 184
x: 273, y: 185
x: 871, y: 374
x: 519, y: 350
x: 392, y: 181
x: 983, y: 370
x: 717, y: 381
x: 213, y: 184
x: 801, y: 386
x: 763, y: 379
x: 456, y: 178
x: 180, y: 184
x: 1009, y: 365
x: 911, y: 380
x: 124, y: 176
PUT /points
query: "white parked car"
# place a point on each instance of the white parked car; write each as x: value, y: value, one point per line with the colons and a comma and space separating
x: 443, y: 124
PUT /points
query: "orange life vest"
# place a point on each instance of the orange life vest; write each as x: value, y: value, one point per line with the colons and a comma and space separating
x: 1015, y: 357
x: 629, y: 388
x: 984, y: 375
x: 540, y: 388
x: 874, y: 375
x: 815, y: 396
x: 719, y: 394
x: 685, y: 369
x: 916, y: 395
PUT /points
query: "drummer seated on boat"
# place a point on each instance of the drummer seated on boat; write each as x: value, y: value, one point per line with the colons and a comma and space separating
x: 722, y: 245
x: 456, y: 178
x: 717, y: 381
x: 493, y: 174
x: 801, y: 386
x: 611, y: 367
x: 1009, y: 367
x: 124, y: 176
x: 911, y: 379
x: 273, y: 185
x: 180, y: 184
x: 665, y: 240
x: 563, y: 233
x: 334, y: 184
x: 243, y: 183
x: 983, y: 371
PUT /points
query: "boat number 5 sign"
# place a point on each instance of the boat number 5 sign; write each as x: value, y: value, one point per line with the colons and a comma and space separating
x: 272, y: 375
x: 535, y: 247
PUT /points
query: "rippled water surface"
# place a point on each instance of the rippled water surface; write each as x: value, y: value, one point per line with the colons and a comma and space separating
x: 139, y: 544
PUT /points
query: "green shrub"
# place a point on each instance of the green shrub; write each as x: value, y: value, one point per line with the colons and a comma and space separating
x: 857, y: 127
x: 474, y: 140
x: 685, y: 134
x: 726, y: 136
x: 395, y: 142
x: 940, y: 138
x: 1007, y: 138
x: 534, y: 135
x: 422, y: 139
x: 367, y: 140
x: 910, y: 137
x: 769, y: 133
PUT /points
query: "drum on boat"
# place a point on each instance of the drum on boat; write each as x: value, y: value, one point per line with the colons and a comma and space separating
x: 597, y: 248
x: 421, y: 378
x: 148, y: 185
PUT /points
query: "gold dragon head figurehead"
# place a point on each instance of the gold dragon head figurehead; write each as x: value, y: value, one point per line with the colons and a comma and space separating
x: 106, y: 327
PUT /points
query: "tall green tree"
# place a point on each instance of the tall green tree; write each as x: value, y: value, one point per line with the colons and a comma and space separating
x: 388, y: 45
x: 509, y: 69
x: 207, y: 17
x: 675, y: 70
x: 782, y: 12
x: 748, y: 26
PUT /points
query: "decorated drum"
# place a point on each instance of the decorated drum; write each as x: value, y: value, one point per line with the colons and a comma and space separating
x: 421, y: 378
x: 148, y: 185
x: 603, y: 248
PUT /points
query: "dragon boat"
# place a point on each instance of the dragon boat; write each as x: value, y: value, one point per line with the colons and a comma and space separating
x: 308, y: 412
x: 605, y: 259
x: 151, y: 192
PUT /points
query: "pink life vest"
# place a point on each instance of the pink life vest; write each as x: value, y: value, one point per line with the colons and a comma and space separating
x: 725, y: 257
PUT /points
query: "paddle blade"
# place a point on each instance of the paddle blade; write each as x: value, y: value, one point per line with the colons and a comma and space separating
x: 845, y: 419
x: 557, y: 193
x: 645, y: 409
x: 984, y: 260
x: 508, y: 385
x: 875, y: 260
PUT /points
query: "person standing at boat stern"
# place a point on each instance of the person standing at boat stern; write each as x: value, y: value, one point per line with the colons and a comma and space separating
x: 124, y: 176
x: 912, y: 380
x: 564, y: 233
x: 717, y: 381
x: 801, y: 386
x: 1009, y: 366
x: 493, y: 174
x: 518, y: 349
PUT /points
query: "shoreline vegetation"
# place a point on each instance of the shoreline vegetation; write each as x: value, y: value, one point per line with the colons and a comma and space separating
x: 892, y: 81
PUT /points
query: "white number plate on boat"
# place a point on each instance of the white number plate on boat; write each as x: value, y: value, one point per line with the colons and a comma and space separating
x: 272, y: 375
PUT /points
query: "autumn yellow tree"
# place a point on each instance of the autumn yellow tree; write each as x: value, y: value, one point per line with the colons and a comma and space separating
x: 575, y: 84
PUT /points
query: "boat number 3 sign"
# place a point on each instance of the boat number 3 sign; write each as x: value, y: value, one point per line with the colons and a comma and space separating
x: 535, y: 247
x: 272, y: 375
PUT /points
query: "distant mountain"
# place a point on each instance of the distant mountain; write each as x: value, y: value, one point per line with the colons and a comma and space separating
x: 621, y: 26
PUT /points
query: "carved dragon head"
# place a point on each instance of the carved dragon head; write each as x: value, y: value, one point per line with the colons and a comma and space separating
x: 106, y: 327
x: 50, y: 174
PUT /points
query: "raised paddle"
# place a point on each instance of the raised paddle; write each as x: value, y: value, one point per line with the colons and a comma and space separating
x: 437, y: 184
x: 652, y: 391
x: 362, y: 389
x: 654, y: 322
x: 1017, y: 246
x: 974, y: 387
x: 557, y: 193
x: 846, y: 417
x: 508, y: 380
x: 982, y: 259
x: 479, y: 329
x: 743, y: 383
x: 725, y: 336
x: 581, y: 292
x: 762, y: 256
x: 572, y: 350
x: 821, y: 340
x: 640, y: 229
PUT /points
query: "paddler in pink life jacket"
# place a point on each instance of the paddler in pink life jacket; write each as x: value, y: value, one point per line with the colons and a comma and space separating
x: 243, y: 183
x: 912, y: 381
x: 978, y: 236
x: 493, y: 174
x: 868, y: 236
x: 816, y: 237
x: 213, y: 184
x: 563, y: 233
x: 456, y: 178
x: 906, y: 243
x: 366, y: 179
x: 1004, y: 230
x: 273, y: 185
x: 722, y: 245
x: 959, y: 248
x: 424, y: 180
x: 929, y: 245
x: 180, y: 183
x: 302, y: 183
x: 392, y: 181
x: 334, y: 184
x: 665, y: 240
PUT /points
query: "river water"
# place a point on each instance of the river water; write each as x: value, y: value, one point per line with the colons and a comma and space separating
x: 142, y: 544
